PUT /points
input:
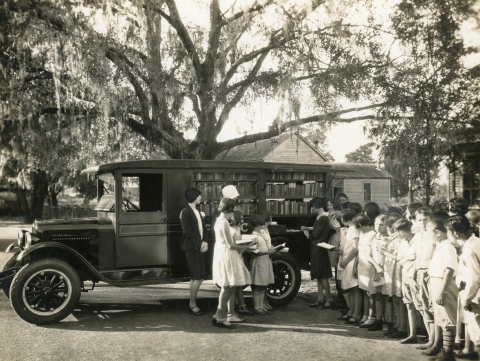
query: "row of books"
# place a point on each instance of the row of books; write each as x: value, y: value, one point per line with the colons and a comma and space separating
x: 214, y: 190
x: 287, y: 207
x: 294, y: 189
x: 208, y: 176
x: 295, y: 175
x: 242, y: 176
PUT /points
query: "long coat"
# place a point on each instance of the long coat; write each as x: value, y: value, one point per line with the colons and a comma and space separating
x: 191, y: 239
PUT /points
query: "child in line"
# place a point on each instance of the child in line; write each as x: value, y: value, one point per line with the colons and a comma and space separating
x: 406, y: 259
x: 232, y: 316
x: 424, y: 249
x: 266, y: 235
x: 261, y: 266
x: 442, y: 270
x: 364, y: 226
x: 393, y: 281
x: 468, y: 282
x: 473, y: 216
x: 349, y: 269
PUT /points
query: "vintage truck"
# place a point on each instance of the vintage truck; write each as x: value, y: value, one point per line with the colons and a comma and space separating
x: 135, y: 238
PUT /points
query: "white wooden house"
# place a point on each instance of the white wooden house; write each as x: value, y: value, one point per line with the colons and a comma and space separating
x: 362, y: 183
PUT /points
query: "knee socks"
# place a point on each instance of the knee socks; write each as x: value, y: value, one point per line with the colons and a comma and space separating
x: 448, y: 338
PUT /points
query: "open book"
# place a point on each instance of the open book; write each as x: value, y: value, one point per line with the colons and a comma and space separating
x: 246, y: 238
x: 325, y: 245
x: 280, y: 246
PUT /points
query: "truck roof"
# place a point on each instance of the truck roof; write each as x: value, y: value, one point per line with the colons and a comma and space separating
x: 202, y: 164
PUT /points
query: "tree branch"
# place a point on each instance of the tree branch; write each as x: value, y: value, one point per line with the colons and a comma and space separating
x: 240, y: 14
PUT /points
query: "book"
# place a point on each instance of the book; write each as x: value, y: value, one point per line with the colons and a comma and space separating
x: 280, y: 246
x: 325, y: 245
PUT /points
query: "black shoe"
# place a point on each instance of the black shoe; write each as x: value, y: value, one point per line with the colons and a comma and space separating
x: 327, y: 305
x: 446, y: 356
x: 343, y: 318
x: 316, y: 304
x: 377, y: 326
x: 352, y: 321
x: 390, y: 330
x: 366, y: 325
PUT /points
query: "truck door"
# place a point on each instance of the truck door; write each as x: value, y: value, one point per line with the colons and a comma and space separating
x: 142, y: 220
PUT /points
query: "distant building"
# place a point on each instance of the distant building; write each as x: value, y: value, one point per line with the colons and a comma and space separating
x: 464, y: 177
x: 362, y: 183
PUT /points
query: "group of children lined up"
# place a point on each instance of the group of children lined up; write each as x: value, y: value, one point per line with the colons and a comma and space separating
x: 422, y: 261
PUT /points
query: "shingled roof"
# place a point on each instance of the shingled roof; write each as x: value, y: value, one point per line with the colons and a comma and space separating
x: 259, y: 150
x: 357, y: 170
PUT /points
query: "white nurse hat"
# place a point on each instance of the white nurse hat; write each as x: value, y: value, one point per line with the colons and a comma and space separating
x: 230, y: 192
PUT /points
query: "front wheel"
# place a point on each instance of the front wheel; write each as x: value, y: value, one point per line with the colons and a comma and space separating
x: 287, y: 280
x: 9, y: 264
x: 45, y: 291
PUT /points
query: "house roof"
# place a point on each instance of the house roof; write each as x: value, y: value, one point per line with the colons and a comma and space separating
x: 259, y: 150
x: 357, y: 170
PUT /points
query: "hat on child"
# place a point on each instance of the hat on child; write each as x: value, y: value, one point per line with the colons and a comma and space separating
x: 191, y: 194
x: 230, y: 192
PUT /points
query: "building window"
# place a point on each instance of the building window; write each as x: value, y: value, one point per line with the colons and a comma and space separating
x: 367, y: 192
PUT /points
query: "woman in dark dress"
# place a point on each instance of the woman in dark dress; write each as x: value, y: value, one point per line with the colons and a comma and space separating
x: 320, y: 268
x: 194, y: 244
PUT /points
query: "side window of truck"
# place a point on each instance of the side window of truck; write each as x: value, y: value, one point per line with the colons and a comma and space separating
x: 142, y: 192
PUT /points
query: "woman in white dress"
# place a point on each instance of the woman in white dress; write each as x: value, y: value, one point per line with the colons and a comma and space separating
x: 228, y: 267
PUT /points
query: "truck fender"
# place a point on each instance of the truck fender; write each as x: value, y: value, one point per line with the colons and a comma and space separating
x: 60, y: 246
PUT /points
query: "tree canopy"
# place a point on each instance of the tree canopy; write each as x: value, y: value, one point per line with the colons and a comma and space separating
x: 86, y: 82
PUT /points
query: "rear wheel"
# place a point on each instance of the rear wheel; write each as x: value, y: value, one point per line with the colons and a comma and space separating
x: 45, y: 291
x: 287, y: 280
x: 9, y: 264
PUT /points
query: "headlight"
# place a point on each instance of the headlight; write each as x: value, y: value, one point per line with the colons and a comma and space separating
x: 30, y: 239
x: 21, y: 238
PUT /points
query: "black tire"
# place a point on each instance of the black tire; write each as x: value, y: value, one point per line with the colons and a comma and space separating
x: 36, y: 295
x: 287, y: 280
x: 9, y: 264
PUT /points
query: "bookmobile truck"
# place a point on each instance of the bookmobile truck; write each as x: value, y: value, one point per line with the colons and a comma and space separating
x: 136, y: 237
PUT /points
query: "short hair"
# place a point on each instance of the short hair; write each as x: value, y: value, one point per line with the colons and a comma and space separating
x: 382, y: 218
x: 338, y: 195
x: 473, y: 216
x: 438, y: 225
x: 237, y: 217
x: 426, y: 211
x: 441, y: 215
x: 412, y: 208
x: 392, y: 218
x: 226, y: 205
x: 357, y: 207
x: 267, y: 216
x: 361, y: 220
x: 459, y: 224
x: 345, y: 205
x: 191, y: 194
x: 257, y: 220
x: 317, y: 202
x: 347, y: 215
x: 458, y: 205
x: 402, y: 225
x: 372, y: 210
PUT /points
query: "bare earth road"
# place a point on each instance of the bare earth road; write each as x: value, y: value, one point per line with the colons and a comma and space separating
x: 151, y: 323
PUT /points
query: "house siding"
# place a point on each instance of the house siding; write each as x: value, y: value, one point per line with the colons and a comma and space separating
x: 380, y: 191
x: 289, y: 152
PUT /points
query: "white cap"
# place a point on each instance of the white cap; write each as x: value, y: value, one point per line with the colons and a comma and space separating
x: 230, y: 192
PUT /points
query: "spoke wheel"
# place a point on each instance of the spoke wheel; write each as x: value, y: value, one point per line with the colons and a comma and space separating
x: 9, y: 264
x: 45, y: 291
x: 287, y: 280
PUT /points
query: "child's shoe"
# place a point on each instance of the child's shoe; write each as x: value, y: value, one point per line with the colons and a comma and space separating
x: 446, y: 356
x: 391, y: 328
x: 259, y: 311
x: 233, y: 318
x: 352, y: 321
x: 267, y: 307
x: 377, y: 326
x: 369, y: 322
x: 242, y: 310
x: 398, y: 334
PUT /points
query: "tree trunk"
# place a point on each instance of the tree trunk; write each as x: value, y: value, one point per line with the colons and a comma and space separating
x: 23, y: 210
x: 39, y: 194
x: 53, y: 191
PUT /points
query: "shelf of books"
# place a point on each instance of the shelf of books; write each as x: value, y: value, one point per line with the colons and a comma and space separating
x: 287, y: 207
x: 212, y: 183
x: 295, y: 176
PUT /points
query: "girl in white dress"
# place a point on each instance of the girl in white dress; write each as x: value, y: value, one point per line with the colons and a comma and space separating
x: 261, y: 266
x: 228, y: 267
